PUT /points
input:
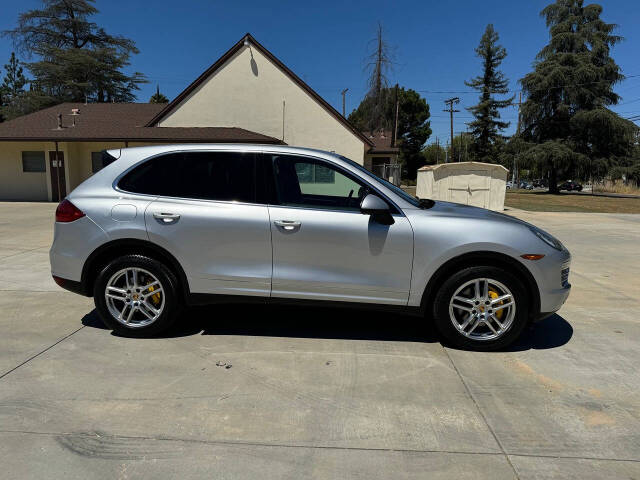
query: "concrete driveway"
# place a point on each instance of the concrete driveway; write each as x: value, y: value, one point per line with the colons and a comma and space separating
x: 247, y: 392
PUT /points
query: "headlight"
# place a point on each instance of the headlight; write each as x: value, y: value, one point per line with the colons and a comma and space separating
x: 550, y: 240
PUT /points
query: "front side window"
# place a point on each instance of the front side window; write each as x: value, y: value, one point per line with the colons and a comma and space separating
x: 397, y: 190
x: 33, y: 162
x: 307, y: 182
x: 224, y: 176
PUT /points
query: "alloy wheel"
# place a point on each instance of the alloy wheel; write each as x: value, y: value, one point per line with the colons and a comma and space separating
x: 135, y: 297
x: 482, y: 309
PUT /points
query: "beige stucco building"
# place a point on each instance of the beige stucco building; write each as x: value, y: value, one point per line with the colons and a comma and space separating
x: 246, y: 96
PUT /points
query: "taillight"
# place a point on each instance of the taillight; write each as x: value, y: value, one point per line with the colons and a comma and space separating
x: 68, y: 212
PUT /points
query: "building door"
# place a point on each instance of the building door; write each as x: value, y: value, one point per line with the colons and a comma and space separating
x: 58, y: 184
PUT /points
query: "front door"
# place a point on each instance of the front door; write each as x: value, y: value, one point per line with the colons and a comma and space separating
x: 324, y: 248
x: 208, y: 216
x: 58, y: 183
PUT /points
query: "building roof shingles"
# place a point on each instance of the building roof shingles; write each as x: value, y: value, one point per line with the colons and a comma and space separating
x: 116, y: 122
x: 381, y: 140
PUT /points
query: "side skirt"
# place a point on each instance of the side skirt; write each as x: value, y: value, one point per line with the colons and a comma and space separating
x: 212, y: 299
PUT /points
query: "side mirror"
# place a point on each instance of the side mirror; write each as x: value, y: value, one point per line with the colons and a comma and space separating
x: 377, y: 208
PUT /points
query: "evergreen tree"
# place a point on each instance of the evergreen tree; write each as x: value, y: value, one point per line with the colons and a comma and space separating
x: 487, y: 126
x: 76, y: 59
x: 414, y: 127
x: 12, y: 89
x: 14, y: 80
x: 158, y: 97
x: 379, y: 64
x: 565, y: 113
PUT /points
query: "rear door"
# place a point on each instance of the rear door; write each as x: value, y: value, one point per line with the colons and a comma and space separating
x: 207, y: 214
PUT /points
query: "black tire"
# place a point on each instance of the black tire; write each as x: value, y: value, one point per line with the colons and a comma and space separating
x: 169, y: 283
x: 444, y: 294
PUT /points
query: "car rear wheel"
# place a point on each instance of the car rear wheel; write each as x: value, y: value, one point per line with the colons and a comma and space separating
x: 481, y: 308
x: 136, y: 296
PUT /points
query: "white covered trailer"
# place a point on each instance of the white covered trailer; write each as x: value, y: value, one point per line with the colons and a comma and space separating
x: 471, y: 183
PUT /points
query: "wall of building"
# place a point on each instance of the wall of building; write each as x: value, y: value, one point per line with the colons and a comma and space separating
x: 79, y: 159
x: 18, y: 185
x: 250, y: 92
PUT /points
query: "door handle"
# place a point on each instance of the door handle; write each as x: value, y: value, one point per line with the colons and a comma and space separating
x: 166, y: 217
x: 287, y: 225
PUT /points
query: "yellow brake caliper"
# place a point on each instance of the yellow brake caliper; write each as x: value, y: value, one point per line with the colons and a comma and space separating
x: 493, y: 295
x: 155, y: 297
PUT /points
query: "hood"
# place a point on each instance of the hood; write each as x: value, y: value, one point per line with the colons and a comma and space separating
x: 458, y: 210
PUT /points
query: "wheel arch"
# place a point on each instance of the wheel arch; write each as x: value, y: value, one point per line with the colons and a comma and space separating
x: 473, y: 259
x: 130, y: 246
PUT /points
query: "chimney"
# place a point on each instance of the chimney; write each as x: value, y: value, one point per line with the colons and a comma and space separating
x: 74, y: 113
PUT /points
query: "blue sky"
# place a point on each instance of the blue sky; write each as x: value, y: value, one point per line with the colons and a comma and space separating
x: 325, y: 42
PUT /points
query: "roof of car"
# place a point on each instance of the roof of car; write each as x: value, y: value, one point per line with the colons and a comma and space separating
x: 157, y: 149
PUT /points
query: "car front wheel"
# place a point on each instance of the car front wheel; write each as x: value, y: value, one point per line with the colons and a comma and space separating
x: 481, y: 308
x: 136, y: 296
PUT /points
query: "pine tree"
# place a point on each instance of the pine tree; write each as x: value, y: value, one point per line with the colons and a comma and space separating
x: 486, y: 127
x: 379, y: 64
x: 565, y: 113
x: 76, y: 59
x: 12, y: 89
x: 414, y: 127
x: 14, y: 80
x: 158, y: 97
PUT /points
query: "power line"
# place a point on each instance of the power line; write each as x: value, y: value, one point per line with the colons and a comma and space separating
x: 461, y: 92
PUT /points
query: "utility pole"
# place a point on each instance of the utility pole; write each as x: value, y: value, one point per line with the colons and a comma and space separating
x: 395, y: 120
x: 437, y: 151
x: 343, y: 103
x: 450, y: 102
x: 519, y: 106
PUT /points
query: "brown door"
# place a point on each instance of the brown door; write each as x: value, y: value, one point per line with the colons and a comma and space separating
x: 58, y: 185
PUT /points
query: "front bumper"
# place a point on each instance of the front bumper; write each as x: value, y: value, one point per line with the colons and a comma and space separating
x: 553, y: 281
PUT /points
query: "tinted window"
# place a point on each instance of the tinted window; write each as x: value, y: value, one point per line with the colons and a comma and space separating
x: 96, y: 162
x: 227, y: 176
x: 33, y: 162
x: 313, y: 183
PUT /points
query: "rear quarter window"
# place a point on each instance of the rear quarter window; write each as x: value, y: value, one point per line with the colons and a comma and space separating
x: 224, y: 176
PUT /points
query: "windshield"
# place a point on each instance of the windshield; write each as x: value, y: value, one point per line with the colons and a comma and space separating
x: 397, y: 190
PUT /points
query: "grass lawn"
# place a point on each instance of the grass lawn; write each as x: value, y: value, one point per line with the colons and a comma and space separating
x: 565, y: 202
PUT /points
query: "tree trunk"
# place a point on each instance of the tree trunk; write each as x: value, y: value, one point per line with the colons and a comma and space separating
x: 553, y: 180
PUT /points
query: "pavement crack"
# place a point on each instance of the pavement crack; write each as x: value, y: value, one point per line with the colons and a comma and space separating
x: 109, y: 439
x: 40, y: 353
x: 473, y: 399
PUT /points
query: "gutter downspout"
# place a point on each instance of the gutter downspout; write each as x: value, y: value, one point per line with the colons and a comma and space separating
x: 58, y: 171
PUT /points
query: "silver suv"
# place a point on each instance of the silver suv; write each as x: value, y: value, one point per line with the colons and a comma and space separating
x: 162, y: 227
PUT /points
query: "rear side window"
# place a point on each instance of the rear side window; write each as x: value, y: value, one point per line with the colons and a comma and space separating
x: 225, y: 176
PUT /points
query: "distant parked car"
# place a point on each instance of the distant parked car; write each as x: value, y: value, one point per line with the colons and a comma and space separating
x: 570, y: 186
x: 509, y: 184
x: 526, y: 186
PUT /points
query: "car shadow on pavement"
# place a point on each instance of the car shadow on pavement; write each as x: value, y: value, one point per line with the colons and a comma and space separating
x: 552, y: 332
x: 333, y: 323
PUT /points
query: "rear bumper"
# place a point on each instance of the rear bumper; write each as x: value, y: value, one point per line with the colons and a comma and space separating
x: 71, y: 285
x: 73, y: 242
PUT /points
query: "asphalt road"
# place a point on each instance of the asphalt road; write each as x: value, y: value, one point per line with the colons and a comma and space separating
x: 252, y: 392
